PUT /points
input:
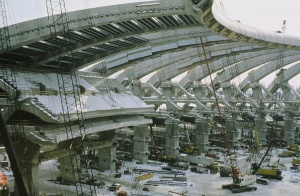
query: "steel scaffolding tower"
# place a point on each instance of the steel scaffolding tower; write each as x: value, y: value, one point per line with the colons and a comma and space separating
x: 69, y: 91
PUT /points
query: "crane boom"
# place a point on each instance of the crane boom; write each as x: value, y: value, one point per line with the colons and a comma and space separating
x: 255, y: 166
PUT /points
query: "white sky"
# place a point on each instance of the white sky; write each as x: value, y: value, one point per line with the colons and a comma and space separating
x: 263, y: 14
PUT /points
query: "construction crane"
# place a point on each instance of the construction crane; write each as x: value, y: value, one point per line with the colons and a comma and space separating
x: 270, y: 172
x: 69, y: 91
x: 18, y: 142
x: 240, y: 182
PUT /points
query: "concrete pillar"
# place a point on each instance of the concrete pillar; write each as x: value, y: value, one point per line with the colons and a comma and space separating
x: 228, y: 90
x: 168, y: 89
x: 28, y: 154
x: 136, y: 88
x: 289, y: 125
x: 200, y: 90
x: 68, y: 168
x: 231, y: 133
x: 289, y: 129
x: 202, y: 134
x: 287, y: 94
x: 172, y: 138
x: 260, y: 125
x: 257, y: 91
x: 140, y: 143
x: 107, y: 155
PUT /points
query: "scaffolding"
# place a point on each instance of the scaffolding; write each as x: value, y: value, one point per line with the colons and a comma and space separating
x: 69, y: 91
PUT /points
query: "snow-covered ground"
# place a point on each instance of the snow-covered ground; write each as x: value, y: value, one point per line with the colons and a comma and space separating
x: 196, y: 185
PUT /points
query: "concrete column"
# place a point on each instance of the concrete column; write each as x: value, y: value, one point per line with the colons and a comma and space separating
x: 107, y: 155
x: 136, y: 88
x: 200, y: 90
x: 68, y: 168
x: 231, y: 133
x: 257, y: 91
x: 289, y: 129
x: 202, y: 134
x: 140, y: 143
x: 168, y: 89
x: 287, y: 95
x: 28, y: 154
x: 260, y: 126
x: 289, y: 125
x: 228, y: 90
x: 172, y: 138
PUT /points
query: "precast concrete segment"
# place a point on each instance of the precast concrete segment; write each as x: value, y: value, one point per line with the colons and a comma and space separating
x: 285, y: 75
x: 265, y: 70
x: 191, y: 65
x: 230, y: 72
x: 252, y: 61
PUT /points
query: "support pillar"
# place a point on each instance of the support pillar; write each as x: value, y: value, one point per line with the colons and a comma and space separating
x: 107, y: 155
x: 289, y: 129
x: 172, y: 138
x: 200, y: 90
x: 231, y: 133
x: 140, y: 143
x: 68, y: 173
x: 136, y: 88
x: 202, y: 134
x: 168, y: 90
x: 257, y: 91
x: 261, y: 130
x: 28, y: 154
x: 228, y: 90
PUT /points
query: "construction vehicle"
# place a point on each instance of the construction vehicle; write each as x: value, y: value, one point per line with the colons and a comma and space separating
x: 293, y: 147
x: 189, y: 148
x: 241, y: 183
x: 225, y: 171
x: 114, y: 187
x: 287, y: 153
x: 296, y: 161
x: 268, y: 171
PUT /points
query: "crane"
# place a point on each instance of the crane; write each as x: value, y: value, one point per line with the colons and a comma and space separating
x: 272, y: 171
x: 24, y: 183
x: 240, y: 182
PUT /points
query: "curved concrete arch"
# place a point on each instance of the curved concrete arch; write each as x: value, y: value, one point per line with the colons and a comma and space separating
x: 201, y: 72
x: 232, y: 71
x: 146, y: 65
x: 265, y: 70
x: 285, y: 76
x: 175, y: 69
